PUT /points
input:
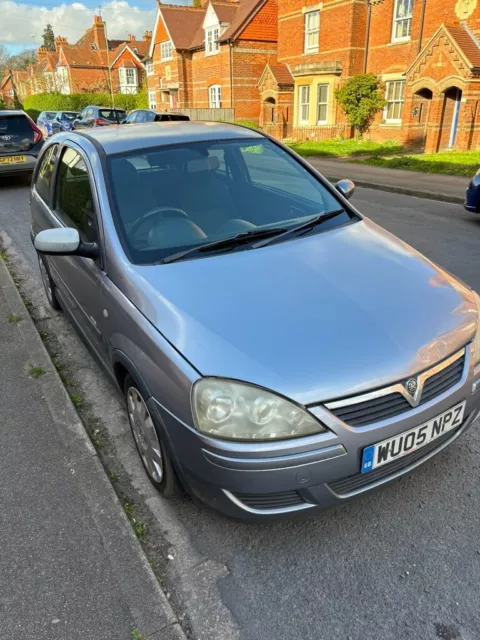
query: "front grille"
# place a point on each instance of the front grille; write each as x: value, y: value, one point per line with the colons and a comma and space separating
x: 352, y: 484
x: 393, y: 404
x: 266, y: 501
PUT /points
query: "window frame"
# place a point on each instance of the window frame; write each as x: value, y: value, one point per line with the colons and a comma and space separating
x: 217, y: 99
x: 326, y: 103
x: 166, y: 50
x: 149, y: 68
x: 152, y: 104
x: 56, y: 146
x: 301, y: 88
x: 396, y: 20
x: 309, y: 31
x: 212, y: 46
x: 394, y: 101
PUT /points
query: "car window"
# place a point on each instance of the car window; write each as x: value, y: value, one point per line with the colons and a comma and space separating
x: 112, y: 115
x: 50, y: 115
x: 15, y: 125
x: 74, y: 200
x: 232, y: 187
x: 141, y: 116
x: 45, y: 171
x: 178, y: 117
x: 131, y: 119
x: 160, y: 117
x: 150, y: 116
x: 69, y: 116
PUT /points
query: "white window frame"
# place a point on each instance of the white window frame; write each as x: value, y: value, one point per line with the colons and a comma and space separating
x: 407, y: 19
x: 303, y: 103
x: 215, y: 96
x: 152, y: 99
x: 322, y: 104
x: 312, y: 31
x: 149, y: 68
x: 212, y: 46
x: 11, y: 92
x: 166, y: 50
x: 400, y: 100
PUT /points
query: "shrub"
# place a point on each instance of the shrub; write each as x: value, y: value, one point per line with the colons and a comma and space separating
x: 35, y: 104
x: 361, y: 97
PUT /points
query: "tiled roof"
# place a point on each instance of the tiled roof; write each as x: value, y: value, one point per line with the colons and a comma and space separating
x: 226, y: 12
x: 281, y: 73
x: 78, y: 56
x: 246, y: 8
x: 467, y: 44
x: 6, y: 78
x: 51, y: 60
x: 183, y: 25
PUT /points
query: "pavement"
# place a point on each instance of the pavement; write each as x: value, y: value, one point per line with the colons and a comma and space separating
x: 70, y: 563
x: 402, y: 562
x: 411, y: 183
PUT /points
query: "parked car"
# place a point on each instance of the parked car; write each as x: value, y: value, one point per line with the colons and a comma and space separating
x: 99, y: 117
x: 472, y: 197
x: 141, y: 116
x: 278, y: 352
x: 20, y: 142
x: 63, y: 121
x: 44, y: 122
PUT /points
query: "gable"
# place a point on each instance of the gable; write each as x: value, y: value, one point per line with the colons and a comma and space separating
x: 161, y: 33
x: 211, y: 18
x: 127, y: 58
x: 263, y: 26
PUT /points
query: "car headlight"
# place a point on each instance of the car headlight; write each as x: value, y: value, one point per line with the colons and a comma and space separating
x: 238, y: 411
x: 476, y: 357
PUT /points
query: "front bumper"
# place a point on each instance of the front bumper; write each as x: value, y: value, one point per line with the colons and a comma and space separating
x: 261, y: 481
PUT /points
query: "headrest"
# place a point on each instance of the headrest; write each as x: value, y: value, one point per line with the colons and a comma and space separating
x: 202, y: 164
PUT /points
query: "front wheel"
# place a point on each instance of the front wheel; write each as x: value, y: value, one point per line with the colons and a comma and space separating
x: 155, y: 459
x: 48, y: 285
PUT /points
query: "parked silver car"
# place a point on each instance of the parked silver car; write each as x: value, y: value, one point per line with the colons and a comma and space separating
x: 278, y: 351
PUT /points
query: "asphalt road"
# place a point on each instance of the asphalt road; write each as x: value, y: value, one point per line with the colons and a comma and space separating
x: 403, y: 562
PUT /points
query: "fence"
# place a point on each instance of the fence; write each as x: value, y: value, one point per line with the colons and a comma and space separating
x: 225, y: 115
x: 302, y: 134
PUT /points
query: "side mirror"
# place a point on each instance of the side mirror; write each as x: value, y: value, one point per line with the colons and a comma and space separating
x: 346, y: 188
x: 64, y: 242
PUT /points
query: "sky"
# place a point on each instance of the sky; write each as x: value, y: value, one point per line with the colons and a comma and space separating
x: 22, y: 23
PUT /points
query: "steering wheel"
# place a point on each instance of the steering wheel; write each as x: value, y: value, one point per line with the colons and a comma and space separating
x: 159, y: 212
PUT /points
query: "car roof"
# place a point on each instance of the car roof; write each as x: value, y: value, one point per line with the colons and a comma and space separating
x: 120, y: 138
x: 12, y: 112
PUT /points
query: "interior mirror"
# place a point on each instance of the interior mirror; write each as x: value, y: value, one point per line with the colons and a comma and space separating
x: 346, y: 188
x: 64, y: 242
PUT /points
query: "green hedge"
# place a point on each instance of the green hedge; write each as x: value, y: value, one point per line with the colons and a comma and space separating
x: 35, y: 104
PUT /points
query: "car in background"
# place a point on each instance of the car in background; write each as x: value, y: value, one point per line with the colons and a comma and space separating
x: 141, y: 116
x: 99, y: 117
x: 63, y: 121
x: 44, y: 122
x: 472, y: 196
x: 20, y: 142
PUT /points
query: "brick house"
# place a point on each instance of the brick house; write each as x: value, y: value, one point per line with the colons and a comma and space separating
x: 7, y: 90
x: 427, y: 52
x: 212, y: 57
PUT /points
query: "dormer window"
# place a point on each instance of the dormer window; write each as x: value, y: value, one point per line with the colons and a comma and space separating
x: 94, y: 47
x: 212, y: 46
x: 135, y: 51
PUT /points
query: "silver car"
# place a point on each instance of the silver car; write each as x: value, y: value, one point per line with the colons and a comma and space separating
x: 278, y: 351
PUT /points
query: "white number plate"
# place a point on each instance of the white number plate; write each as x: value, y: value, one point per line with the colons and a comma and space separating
x: 388, y: 450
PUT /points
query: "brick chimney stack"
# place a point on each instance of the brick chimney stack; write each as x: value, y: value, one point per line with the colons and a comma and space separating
x: 58, y: 42
x: 147, y: 36
x: 99, y: 33
x: 42, y: 54
x: 131, y: 37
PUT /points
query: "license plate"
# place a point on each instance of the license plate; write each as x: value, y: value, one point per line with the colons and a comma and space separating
x: 13, y: 160
x: 399, y: 446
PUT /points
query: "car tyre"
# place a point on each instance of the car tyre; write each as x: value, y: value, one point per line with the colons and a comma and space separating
x: 48, y: 285
x: 153, y: 454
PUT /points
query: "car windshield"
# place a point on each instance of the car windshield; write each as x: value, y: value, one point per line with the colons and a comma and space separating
x: 111, y: 114
x: 50, y: 115
x: 68, y: 115
x: 171, y: 199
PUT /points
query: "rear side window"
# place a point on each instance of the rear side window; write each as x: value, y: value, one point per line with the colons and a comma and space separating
x: 45, y: 172
x: 177, y: 118
x: 15, y: 126
x: 74, y: 200
x: 111, y: 115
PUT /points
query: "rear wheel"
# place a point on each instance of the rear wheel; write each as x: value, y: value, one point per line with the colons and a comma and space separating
x: 48, y: 285
x: 153, y: 454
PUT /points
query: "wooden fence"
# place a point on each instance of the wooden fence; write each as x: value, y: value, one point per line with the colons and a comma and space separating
x: 225, y: 115
x: 302, y: 134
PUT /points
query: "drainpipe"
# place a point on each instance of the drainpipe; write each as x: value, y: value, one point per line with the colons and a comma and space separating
x: 230, y: 44
x: 370, y: 4
x: 422, y: 22
x: 184, y: 80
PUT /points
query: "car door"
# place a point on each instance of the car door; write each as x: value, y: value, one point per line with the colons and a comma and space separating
x: 79, y: 281
x: 141, y: 117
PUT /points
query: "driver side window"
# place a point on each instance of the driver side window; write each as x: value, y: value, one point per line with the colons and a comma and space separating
x: 73, y: 196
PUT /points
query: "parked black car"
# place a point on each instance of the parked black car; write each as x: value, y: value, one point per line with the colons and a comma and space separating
x: 149, y: 115
x: 63, y: 121
x: 472, y: 197
x: 99, y: 117
x: 20, y: 142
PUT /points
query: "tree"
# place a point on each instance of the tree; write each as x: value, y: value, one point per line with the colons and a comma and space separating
x: 361, y: 98
x: 49, y: 38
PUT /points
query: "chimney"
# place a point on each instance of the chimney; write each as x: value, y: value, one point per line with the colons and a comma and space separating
x: 147, y: 36
x: 99, y: 33
x: 42, y: 54
x: 59, y: 41
x: 131, y: 37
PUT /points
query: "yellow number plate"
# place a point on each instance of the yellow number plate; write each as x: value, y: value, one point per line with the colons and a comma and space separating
x: 13, y: 160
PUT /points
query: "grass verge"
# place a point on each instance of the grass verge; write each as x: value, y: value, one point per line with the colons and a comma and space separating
x: 338, y: 148
x: 454, y: 163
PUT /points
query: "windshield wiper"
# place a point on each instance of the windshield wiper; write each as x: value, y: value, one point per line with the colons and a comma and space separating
x: 226, y: 243
x: 306, y: 226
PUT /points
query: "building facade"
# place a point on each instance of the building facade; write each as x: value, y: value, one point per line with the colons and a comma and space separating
x: 427, y: 53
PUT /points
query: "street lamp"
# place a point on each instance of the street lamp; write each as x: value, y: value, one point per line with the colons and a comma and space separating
x: 370, y: 4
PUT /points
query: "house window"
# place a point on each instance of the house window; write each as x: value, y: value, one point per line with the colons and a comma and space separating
x: 402, y: 20
x: 149, y: 68
x: 152, y: 99
x: 212, y: 45
x: 215, y: 96
x: 322, y: 104
x: 304, y: 104
x: 128, y: 80
x: 94, y: 46
x: 135, y: 51
x: 395, y: 97
x: 312, y: 28
x: 166, y: 50
x: 11, y: 93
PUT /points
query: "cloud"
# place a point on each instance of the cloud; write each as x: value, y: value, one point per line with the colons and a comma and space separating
x: 23, y: 24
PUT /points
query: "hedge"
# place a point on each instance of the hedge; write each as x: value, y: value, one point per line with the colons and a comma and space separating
x: 35, y: 104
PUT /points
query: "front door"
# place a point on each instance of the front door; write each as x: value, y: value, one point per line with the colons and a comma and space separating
x: 456, y: 114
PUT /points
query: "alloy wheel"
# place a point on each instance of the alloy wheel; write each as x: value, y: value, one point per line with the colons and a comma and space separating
x: 145, y: 434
